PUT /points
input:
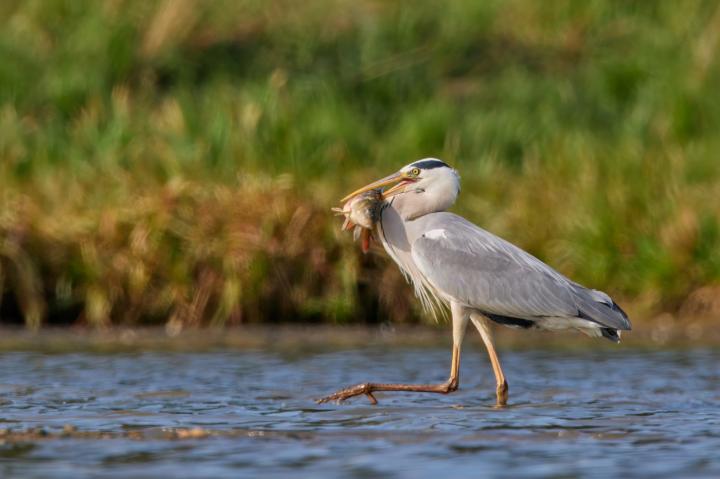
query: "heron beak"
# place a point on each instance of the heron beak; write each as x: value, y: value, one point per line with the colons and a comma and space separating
x: 400, y: 178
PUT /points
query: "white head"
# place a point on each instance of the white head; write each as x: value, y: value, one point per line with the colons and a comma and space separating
x: 424, y: 186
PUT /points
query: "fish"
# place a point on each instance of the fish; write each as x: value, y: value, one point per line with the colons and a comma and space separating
x: 361, y: 213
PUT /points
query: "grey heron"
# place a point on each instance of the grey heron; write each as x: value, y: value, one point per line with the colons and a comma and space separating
x: 480, y: 277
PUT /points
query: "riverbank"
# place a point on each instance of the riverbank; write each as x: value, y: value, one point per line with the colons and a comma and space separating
x: 661, y: 333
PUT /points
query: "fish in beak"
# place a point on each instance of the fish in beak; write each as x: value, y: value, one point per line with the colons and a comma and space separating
x: 362, y: 207
x: 361, y: 213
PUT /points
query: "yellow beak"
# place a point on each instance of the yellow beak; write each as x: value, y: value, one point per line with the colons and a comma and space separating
x: 400, y: 178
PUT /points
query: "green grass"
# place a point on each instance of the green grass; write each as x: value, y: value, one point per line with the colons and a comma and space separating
x: 175, y: 161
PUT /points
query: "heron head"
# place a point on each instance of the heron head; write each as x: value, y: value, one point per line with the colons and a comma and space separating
x: 421, y: 187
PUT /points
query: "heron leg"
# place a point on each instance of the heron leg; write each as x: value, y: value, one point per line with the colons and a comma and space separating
x: 460, y: 318
x: 369, y: 388
x: 483, y: 328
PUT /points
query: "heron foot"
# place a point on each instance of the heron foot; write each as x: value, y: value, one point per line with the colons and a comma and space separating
x: 347, y: 393
x: 368, y: 389
x: 502, y: 394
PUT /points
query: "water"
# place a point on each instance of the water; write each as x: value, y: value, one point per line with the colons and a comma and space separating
x: 251, y: 414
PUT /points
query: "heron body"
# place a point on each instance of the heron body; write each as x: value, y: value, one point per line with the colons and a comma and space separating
x: 480, y: 277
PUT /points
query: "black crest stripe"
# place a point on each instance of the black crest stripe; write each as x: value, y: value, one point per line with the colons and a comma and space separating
x: 429, y: 164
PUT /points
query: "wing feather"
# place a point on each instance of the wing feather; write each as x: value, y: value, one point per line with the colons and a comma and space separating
x: 480, y: 270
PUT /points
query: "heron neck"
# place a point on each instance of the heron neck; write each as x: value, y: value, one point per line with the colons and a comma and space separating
x: 411, y: 205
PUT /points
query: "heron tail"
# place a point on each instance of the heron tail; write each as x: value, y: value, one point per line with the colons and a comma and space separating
x: 599, y: 308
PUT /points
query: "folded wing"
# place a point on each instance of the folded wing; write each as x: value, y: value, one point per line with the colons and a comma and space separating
x: 478, y: 269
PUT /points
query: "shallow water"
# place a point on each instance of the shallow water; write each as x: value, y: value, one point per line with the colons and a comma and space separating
x: 231, y: 414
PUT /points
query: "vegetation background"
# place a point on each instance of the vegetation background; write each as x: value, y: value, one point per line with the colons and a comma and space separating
x: 174, y: 162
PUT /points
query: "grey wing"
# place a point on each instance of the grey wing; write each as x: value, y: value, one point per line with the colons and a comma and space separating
x: 480, y: 270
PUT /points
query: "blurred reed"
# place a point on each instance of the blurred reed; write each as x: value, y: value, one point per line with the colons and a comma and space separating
x: 175, y: 161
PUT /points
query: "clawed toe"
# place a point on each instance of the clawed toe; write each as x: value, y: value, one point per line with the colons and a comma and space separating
x: 348, y: 393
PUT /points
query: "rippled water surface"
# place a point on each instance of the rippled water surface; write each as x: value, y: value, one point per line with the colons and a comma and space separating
x: 232, y: 414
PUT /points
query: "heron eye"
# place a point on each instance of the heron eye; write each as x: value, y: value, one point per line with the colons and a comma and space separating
x: 415, y: 171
